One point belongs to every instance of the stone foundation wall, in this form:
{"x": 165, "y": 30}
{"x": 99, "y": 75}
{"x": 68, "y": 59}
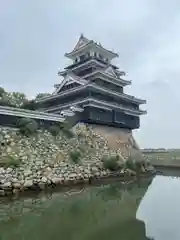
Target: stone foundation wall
{"x": 119, "y": 140}
{"x": 45, "y": 160}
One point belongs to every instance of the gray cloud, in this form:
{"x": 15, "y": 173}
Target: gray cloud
{"x": 34, "y": 35}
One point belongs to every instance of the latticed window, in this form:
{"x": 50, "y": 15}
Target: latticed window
{"x": 82, "y": 57}
{"x": 101, "y": 115}
{"x": 100, "y": 57}
{"x": 120, "y": 117}
{"x": 108, "y": 85}
{"x": 69, "y": 86}
{"x": 85, "y": 72}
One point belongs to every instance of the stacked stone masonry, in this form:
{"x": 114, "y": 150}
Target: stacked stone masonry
{"x": 44, "y": 159}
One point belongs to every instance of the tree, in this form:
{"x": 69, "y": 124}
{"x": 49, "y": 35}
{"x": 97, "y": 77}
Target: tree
{"x": 14, "y": 99}
{"x": 30, "y": 105}
{"x": 2, "y": 92}
{"x": 5, "y": 100}
{"x": 17, "y": 98}
{"x": 41, "y": 95}
{"x": 27, "y": 126}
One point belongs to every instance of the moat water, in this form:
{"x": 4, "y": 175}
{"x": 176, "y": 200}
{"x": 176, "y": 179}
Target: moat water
{"x": 102, "y": 212}
{"x": 159, "y": 208}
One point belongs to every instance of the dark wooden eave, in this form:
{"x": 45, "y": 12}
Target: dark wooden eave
{"x": 86, "y": 60}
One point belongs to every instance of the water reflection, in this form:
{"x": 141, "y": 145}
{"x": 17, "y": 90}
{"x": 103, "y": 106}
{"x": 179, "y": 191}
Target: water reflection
{"x": 106, "y": 212}
{"x": 160, "y": 210}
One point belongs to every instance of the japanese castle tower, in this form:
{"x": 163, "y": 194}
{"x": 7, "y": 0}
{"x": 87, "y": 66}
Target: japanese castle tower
{"x": 95, "y": 85}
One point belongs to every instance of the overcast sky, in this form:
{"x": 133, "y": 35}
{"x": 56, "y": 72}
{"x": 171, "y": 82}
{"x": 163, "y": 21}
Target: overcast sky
{"x": 35, "y": 34}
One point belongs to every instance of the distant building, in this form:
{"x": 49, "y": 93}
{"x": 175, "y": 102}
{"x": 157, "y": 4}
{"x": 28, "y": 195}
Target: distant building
{"x": 93, "y": 83}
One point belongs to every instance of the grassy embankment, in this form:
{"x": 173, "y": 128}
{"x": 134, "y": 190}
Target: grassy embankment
{"x": 169, "y": 158}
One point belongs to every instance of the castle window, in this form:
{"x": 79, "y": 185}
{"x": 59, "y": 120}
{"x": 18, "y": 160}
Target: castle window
{"x": 82, "y": 57}
{"x": 100, "y": 57}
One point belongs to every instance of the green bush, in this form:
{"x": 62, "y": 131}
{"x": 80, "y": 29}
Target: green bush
{"x": 42, "y": 95}
{"x": 9, "y": 161}
{"x": 54, "y": 130}
{"x": 63, "y": 127}
{"x": 68, "y": 133}
{"x": 75, "y": 156}
{"x": 134, "y": 163}
{"x": 147, "y": 163}
{"x": 27, "y": 126}
{"x": 111, "y": 163}
{"x": 2, "y": 91}
{"x": 130, "y": 164}
{"x": 66, "y": 129}
{"x": 5, "y": 102}
{"x": 81, "y": 135}
{"x": 29, "y": 105}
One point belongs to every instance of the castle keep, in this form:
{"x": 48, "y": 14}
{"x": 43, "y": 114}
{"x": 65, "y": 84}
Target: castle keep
{"x": 94, "y": 84}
